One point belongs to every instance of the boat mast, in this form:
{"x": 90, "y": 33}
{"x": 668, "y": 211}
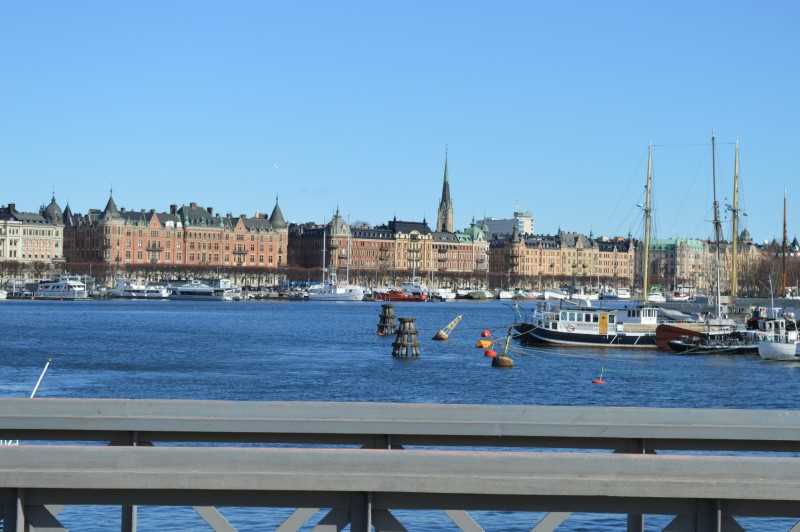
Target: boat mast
{"x": 735, "y": 224}
{"x": 648, "y": 211}
{"x": 783, "y": 249}
{"x": 324, "y": 238}
{"x": 349, "y": 250}
{"x": 717, "y": 223}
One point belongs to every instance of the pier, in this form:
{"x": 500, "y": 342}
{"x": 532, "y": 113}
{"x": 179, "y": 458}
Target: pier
{"x": 362, "y": 461}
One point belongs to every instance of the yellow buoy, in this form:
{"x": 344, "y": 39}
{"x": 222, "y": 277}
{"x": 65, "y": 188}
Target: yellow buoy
{"x": 483, "y": 343}
{"x": 444, "y": 334}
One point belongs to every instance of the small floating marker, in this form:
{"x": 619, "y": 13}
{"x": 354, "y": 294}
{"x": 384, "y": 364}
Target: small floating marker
{"x": 599, "y": 379}
{"x": 486, "y": 333}
{"x": 484, "y": 343}
{"x": 491, "y": 353}
{"x": 444, "y": 334}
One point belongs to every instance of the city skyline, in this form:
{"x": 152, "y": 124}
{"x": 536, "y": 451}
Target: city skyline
{"x": 547, "y": 107}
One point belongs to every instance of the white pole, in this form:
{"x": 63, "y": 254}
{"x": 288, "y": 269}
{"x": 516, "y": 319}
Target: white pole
{"x": 39, "y": 382}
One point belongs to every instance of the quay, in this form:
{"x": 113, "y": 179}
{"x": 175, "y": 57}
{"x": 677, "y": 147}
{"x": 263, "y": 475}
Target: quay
{"x": 361, "y": 461}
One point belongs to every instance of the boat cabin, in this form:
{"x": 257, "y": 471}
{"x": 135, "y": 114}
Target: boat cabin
{"x": 589, "y": 320}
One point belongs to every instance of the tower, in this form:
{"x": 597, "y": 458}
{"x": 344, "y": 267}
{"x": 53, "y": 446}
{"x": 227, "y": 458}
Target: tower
{"x": 444, "y": 219}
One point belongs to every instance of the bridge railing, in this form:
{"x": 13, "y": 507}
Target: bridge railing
{"x": 382, "y": 470}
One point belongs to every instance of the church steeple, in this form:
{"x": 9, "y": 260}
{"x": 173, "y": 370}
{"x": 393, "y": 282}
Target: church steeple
{"x": 444, "y": 219}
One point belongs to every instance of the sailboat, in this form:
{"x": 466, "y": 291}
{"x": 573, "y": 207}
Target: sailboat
{"x": 719, "y": 336}
{"x": 330, "y": 289}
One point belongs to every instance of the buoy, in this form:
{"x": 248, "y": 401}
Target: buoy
{"x": 491, "y": 353}
{"x": 486, "y": 333}
{"x": 483, "y": 343}
{"x": 599, "y": 379}
{"x": 444, "y": 334}
{"x": 502, "y": 361}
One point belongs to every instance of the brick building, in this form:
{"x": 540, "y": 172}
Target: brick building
{"x": 397, "y": 248}
{"x": 185, "y": 236}
{"x": 567, "y": 257}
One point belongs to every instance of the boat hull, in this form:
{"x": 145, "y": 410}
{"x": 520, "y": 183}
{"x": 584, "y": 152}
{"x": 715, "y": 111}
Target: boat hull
{"x": 538, "y": 336}
{"x": 778, "y": 351}
{"x": 689, "y": 348}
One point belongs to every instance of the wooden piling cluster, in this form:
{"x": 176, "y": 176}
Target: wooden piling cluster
{"x": 406, "y": 344}
{"x": 387, "y": 324}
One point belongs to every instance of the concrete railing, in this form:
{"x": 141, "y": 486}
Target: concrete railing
{"x": 362, "y": 485}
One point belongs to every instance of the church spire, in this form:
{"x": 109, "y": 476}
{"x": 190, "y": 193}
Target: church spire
{"x": 444, "y": 219}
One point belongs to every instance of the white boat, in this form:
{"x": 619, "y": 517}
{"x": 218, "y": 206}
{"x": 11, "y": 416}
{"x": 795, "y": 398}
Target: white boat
{"x": 65, "y": 287}
{"x": 330, "y": 291}
{"x": 480, "y": 294}
{"x": 130, "y": 290}
{"x": 3, "y": 294}
{"x": 223, "y": 290}
{"x": 779, "y": 338}
{"x": 555, "y": 294}
{"x": 442, "y": 294}
{"x": 656, "y": 297}
{"x": 505, "y": 294}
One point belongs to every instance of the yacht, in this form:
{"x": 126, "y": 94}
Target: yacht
{"x": 505, "y": 294}
{"x": 222, "y": 290}
{"x": 442, "y": 294}
{"x": 331, "y": 291}
{"x": 565, "y": 325}
{"x": 64, "y": 287}
{"x": 615, "y": 293}
{"x": 131, "y": 290}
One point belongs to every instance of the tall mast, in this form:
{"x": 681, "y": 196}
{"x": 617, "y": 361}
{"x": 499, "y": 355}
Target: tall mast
{"x": 735, "y": 224}
{"x": 324, "y": 238}
{"x": 349, "y": 248}
{"x": 717, "y": 223}
{"x": 648, "y": 212}
{"x": 783, "y": 249}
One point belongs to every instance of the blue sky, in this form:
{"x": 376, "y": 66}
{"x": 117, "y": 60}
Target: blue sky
{"x": 549, "y": 106}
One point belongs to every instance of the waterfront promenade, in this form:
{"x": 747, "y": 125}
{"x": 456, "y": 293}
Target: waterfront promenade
{"x": 389, "y": 457}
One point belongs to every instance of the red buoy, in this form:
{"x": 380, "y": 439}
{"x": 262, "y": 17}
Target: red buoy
{"x": 486, "y": 333}
{"x": 491, "y": 353}
{"x": 599, "y": 379}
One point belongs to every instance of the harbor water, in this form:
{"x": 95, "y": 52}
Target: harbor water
{"x": 329, "y": 351}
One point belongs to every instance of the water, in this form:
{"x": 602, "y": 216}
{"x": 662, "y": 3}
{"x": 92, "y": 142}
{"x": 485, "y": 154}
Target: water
{"x": 329, "y": 351}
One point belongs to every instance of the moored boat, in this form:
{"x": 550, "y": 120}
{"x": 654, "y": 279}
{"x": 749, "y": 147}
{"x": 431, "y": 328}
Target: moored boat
{"x": 632, "y": 327}
{"x": 222, "y": 290}
{"x": 65, "y": 287}
{"x": 125, "y": 289}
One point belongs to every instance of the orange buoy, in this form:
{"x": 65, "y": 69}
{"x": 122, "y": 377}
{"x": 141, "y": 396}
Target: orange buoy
{"x": 486, "y": 333}
{"x": 483, "y": 343}
{"x": 599, "y": 379}
{"x": 491, "y": 353}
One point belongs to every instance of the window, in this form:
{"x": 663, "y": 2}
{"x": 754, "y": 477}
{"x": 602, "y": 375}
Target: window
{"x": 571, "y": 316}
{"x": 612, "y": 318}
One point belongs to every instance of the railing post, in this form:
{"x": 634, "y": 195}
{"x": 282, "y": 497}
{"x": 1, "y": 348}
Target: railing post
{"x": 128, "y": 518}
{"x": 13, "y": 511}
{"x": 636, "y": 521}
{"x": 361, "y": 512}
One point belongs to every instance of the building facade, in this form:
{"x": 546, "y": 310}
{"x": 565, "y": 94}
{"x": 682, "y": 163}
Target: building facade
{"x": 185, "y": 236}
{"x": 29, "y": 237}
{"x": 397, "y": 248}
{"x": 565, "y": 258}
{"x": 690, "y": 264}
